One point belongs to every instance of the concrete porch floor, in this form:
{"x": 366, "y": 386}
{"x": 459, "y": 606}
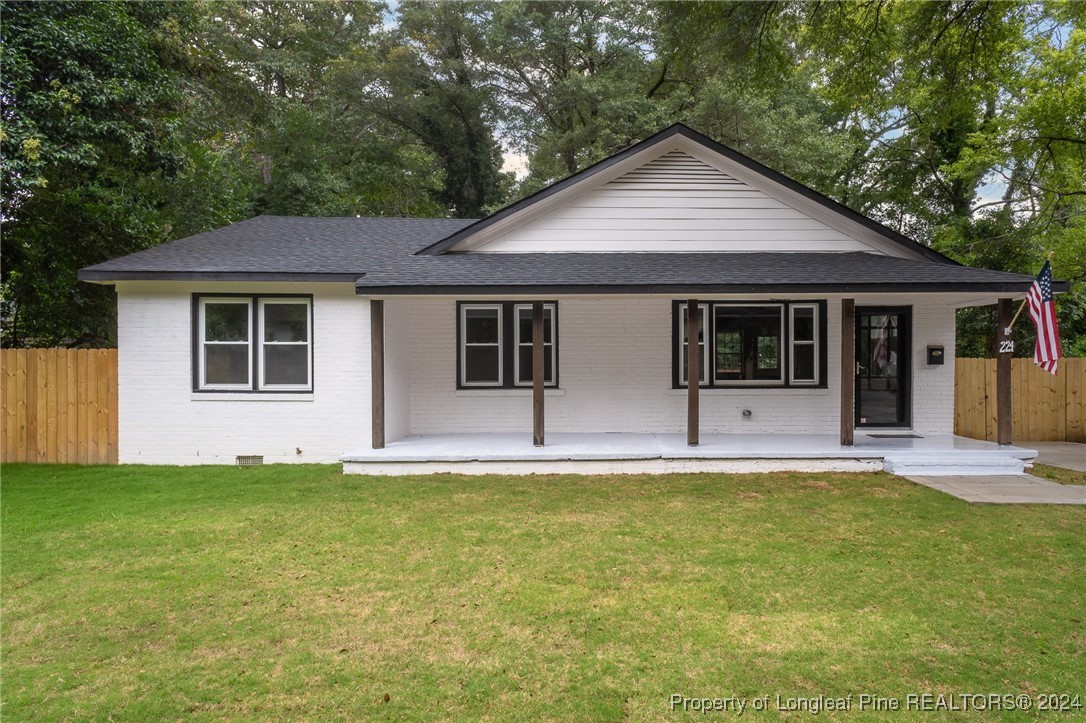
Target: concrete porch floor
{"x": 1069, "y": 455}
{"x": 513, "y": 453}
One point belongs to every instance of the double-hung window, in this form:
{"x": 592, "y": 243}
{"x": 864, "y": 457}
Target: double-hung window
{"x": 804, "y": 361}
{"x": 703, "y": 358}
{"x": 481, "y": 345}
{"x": 754, "y": 344}
{"x": 225, "y": 338}
{"x": 494, "y": 341}
{"x": 253, "y": 343}
{"x": 523, "y": 362}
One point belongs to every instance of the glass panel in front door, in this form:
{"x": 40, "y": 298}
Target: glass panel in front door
{"x": 880, "y": 391}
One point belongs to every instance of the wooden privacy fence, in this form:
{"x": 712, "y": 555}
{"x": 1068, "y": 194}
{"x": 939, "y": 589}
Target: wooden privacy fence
{"x": 1043, "y": 407}
{"x": 59, "y": 405}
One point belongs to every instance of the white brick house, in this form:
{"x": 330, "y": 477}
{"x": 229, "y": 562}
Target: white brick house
{"x": 407, "y": 344}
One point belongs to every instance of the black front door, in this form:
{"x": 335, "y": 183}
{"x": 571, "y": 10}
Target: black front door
{"x": 883, "y": 351}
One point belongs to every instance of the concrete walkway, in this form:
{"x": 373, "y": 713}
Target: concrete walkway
{"x": 1068, "y": 455}
{"x": 1006, "y": 489}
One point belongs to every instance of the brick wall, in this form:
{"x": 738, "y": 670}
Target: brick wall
{"x": 615, "y": 369}
{"x": 933, "y": 386}
{"x": 398, "y": 351}
{"x": 163, "y": 421}
{"x": 615, "y": 375}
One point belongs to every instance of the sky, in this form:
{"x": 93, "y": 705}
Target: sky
{"x": 515, "y": 163}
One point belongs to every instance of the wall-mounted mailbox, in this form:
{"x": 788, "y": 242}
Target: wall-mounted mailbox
{"x": 935, "y": 355}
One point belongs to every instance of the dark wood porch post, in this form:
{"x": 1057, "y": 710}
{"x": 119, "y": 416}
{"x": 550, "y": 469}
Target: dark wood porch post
{"x": 537, "y": 373}
{"x": 377, "y": 371}
{"x": 848, "y": 372}
{"x": 1005, "y": 350}
{"x": 693, "y": 373}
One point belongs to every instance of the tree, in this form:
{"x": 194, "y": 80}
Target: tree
{"x": 734, "y": 71}
{"x": 576, "y": 81}
{"x": 430, "y": 84}
{"x": 967, "y": 120}
{"x": 87, "y": 146}
{"x": 581, "y": 81}
{"x": 960, "y": 123}
{"x": 282, "y": 81}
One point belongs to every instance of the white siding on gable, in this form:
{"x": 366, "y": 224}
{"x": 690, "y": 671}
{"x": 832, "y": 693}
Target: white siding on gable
{"x": 674, "y": 202}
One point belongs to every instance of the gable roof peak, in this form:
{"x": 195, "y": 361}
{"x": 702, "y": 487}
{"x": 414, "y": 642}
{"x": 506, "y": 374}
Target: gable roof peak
{"x": 740, "y": 162}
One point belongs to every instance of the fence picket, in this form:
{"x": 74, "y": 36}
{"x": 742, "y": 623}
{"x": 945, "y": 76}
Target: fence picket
{"x": 1074, "y": 373}
{"x": 1043, "y": 407}
{"x": 59, "y": 405}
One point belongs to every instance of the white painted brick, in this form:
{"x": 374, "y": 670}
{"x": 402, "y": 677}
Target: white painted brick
{"x": 397, "y": 370}
{"x": 615, "y": 374}
{"x": 161, "y": 422}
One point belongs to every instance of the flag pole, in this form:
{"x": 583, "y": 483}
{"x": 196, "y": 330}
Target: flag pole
{"x": 1016, "y": 315}
{"x": 1051, "y": 254}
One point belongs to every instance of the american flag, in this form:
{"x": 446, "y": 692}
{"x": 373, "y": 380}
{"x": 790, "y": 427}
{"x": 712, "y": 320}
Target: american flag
{"x": 1043, "y": 312}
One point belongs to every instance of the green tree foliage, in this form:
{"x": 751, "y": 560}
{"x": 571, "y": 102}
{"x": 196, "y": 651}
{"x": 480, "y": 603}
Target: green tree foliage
{"x": 282, "y": 80}
{"x": 960, "y": 123}
{"x": 734, "y": 72}
{"x": 576, "y": 80}
{"x": 88, "y": 117}
{"x": 430, "y": 84}
{"x": 128, "y": 124}
{"x": 957, "y": 123}
{"x": 968, "y": 122}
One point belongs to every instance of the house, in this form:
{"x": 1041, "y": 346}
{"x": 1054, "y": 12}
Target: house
{"x": 554, "y": 334}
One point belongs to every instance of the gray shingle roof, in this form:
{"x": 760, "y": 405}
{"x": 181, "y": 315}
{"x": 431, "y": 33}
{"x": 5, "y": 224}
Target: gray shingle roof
{"x": 328, "y": 249}
{"x": 379, "y": 254}
{"x": 677, "y": 273}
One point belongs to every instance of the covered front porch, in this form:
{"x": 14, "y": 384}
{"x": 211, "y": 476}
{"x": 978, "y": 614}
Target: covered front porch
{"x": 621, "y": 404}
{"x": 649, "y": 453}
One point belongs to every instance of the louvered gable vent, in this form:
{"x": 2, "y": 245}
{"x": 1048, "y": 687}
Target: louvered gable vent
{"x": 677, "y": 170}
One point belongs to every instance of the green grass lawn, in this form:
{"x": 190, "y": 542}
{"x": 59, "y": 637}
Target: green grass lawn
{"x": 1059, "y": 474}
{"x": 144, "y": 593}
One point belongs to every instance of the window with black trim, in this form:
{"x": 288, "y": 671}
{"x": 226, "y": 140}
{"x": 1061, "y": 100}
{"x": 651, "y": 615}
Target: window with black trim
{"x": 245, "y": 343}
{"x": 494, "y": 344}
{"x": 703, "y": 359}
{"x": 481, "y": 345}
{"x": 754, "y": 344}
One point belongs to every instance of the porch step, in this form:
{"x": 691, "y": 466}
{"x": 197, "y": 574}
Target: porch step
{"x": 957, "y": 464}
